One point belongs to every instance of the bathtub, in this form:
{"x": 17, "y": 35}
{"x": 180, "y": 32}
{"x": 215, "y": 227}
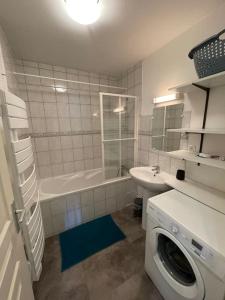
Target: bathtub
{"x": 71, "y": 199}
{"x": 61, "y": 185}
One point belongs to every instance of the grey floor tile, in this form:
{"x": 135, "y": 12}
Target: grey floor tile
{"x": 114, "y": 273}
{"x": 138, "y": 287}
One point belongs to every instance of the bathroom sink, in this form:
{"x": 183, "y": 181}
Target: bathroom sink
{"x": 149, "y": 179}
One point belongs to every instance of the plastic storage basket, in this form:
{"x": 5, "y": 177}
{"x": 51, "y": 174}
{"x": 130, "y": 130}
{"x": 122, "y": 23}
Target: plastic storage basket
{"x": 209, "y": 56}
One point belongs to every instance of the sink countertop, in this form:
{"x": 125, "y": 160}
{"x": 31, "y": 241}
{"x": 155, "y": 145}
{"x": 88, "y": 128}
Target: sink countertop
{"x": 202, "y": 193}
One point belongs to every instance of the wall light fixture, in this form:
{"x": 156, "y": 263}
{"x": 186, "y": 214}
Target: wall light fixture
{"x": 171, "y": 97}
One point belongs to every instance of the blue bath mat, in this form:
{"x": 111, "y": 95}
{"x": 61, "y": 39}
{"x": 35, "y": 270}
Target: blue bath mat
{"x": 85, "y": 240}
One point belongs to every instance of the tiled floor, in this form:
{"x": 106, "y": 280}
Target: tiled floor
{"x": 114, "y": 273}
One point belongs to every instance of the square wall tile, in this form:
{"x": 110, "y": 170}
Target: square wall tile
{"x": 76, "y": 124}
{"x": 38, "y": 125}
{"x": 87, "y": 140}
{"x": 66, "y": 142}
{"x": 43, "y": 158}
{"x": 50, "y": 110}
{"x": 58, "y": 206}
{"x": 111, "y": 205}
{"x": 99, "y": 194}
{"x": 77, "y": 141}
{"x": 87, "y": 213}
{"x": 52, "y": 125}
{"x": 164, "y": 163}
{"x": 67, "y": 155}
{"x": 87, "y": 198}
{"x": 41, "y": 144}
{"x": 73, "y": 201}
{"x": 79, "y": 165}
{"x": 36, "y": 109}
{"x": 45, "y": 171}
{"x": 57, "y": 169}
{"x": 100, "y": 208}
{"x": 75, "y": 110}
{"x": 54, "y": 143}
{"x": 59, "y": 223}
{"x": 56, "y": 156}
{"x": 68, "y": 167}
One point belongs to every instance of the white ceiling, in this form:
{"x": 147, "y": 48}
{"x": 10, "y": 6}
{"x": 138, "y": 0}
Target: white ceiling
{"x": 127, "y": 31}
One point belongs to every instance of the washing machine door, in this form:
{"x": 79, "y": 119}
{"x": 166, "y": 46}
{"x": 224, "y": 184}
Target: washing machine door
{"x": 176, "y": 265}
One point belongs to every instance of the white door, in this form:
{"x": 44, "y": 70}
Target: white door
{"x": 15, "y": 279}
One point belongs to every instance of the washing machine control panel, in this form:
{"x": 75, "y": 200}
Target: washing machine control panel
{"x": 192, "y": 243}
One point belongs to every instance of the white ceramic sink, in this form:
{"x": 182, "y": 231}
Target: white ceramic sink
{"x": 148, "y": 178}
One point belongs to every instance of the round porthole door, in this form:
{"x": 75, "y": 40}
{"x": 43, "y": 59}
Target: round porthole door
{"x": 176, "y": 265}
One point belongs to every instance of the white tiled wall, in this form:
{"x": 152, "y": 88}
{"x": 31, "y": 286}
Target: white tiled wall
{"x": 132, "y": 80}
{"x": 64, "y": 117}
{"x": 65, "y": 212}
{"x": 62, "y": 154}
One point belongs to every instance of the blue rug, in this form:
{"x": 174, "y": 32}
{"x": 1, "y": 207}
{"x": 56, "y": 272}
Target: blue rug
{"x": 85, "y": 240}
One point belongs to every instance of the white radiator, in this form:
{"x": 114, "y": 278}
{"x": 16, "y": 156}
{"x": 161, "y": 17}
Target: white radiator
{"x": 24, "y": 180}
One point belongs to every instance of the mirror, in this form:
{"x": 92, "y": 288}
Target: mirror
{"x": 167, "y": 117}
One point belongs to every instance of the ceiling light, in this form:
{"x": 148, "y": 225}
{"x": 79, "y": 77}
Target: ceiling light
{"x": 83, "y": 11}
{"x": 171, "y": 97}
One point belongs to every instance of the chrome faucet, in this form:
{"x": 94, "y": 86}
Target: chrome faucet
{"x": 156, "y": 169}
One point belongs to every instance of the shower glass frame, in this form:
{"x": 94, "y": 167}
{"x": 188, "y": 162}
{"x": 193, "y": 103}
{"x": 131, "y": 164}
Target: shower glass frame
{"x": 120, "y": 139}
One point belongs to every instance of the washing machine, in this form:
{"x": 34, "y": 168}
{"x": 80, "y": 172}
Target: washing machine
{"x": 185, "y": 248}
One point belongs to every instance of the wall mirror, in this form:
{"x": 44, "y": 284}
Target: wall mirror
{"x": 166, "y": 117}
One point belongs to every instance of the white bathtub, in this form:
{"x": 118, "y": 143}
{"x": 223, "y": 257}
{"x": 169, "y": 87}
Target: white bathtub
{"x": 53, "y": 187}
{"x": 72, "y": 199}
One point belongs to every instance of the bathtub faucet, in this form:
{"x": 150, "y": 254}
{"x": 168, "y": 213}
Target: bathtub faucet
{"x": 122, "y": 168}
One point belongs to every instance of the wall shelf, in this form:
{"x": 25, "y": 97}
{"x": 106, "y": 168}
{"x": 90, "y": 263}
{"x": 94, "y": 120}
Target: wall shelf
{"x": 185, "y": 155}
{"x": 198, "y": 130}
{"x": 204, "y": 84}
{"x": 215, "y": 80}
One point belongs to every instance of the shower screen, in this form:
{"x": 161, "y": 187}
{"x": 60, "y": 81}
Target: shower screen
{"x": 118, "y": 133}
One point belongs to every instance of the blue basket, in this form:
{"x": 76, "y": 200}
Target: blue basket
{"x": 209, "y": 56}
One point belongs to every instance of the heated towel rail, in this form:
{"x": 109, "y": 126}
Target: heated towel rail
{"x": 22, "y": 167}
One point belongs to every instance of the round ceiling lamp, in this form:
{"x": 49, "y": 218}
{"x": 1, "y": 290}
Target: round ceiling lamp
{"x": 84, "y": 12}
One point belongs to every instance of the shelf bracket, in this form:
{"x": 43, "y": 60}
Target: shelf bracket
{"x": 207, "y": 91}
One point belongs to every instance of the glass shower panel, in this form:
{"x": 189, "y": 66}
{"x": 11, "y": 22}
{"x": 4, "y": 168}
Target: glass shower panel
{"x": 111, "y": 107}
{"x": 127, "y": 157}
{"x": 112, "y": 159}
{"x": 119, "y": 132}
{"x": 127, "y": 117}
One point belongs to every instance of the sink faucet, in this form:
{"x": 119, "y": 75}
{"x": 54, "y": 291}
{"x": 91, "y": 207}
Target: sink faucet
{"x": 156, "y": 169}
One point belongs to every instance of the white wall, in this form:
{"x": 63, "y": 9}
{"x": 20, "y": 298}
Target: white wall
{"x": 3, "y": 84}
{"x": 7, "y": 65}
{"x": 170, "y": 65}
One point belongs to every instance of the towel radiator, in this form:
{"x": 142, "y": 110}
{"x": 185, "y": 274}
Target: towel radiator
{"x": 22, "y": 167}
